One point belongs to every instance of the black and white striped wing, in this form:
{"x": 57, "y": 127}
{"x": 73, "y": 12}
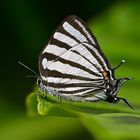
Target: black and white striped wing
{"x": 72, "y": 63}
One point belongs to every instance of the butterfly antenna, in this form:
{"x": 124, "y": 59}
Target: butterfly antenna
{"x": 123, "y": 61}
{"x": 31, "y": 76}
{"x": 28, "y": 68}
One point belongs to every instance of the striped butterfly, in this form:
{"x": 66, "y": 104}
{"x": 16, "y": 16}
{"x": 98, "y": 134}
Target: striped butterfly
{"x": 73, "y": 67}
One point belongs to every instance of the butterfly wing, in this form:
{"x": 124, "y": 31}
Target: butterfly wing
{"x": 72, "y": 62}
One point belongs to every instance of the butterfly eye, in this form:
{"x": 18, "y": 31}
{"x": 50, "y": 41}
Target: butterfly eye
{"x": 38, "y": 82}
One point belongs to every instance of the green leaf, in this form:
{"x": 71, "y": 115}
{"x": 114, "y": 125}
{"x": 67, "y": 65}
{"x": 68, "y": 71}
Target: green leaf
{"x": 31, "y": 104}
{"x": 43, "y": 105}
{"x": 113, "y": 126}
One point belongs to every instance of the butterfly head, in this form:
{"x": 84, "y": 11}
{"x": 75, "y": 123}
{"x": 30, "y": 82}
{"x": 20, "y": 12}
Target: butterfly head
{"x": 113, "y": 89}
{"x": 113, "y": 84}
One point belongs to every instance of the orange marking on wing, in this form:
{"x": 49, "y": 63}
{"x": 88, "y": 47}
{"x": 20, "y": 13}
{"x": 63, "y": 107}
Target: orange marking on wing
{"x": 105, "y": 74}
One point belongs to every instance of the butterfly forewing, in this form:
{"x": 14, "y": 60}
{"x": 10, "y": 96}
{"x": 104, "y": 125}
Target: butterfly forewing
{"x": 72, "y": 62}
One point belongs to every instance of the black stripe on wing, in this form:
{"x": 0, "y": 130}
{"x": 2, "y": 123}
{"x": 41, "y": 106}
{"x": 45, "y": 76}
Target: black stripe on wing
{"x": 74, "y": 91}
{"x": 85, "y": 92}
{"x": 54, "y": 73}
{"x": 92, "y": 93}
{"x": 66, "y": 85}
{"x": 59, "y": 44}
{"x": 51, "y": 57}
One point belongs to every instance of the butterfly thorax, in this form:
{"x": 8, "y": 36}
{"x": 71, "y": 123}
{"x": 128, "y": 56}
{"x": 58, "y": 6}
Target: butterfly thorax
{"x": 112, "y": 89}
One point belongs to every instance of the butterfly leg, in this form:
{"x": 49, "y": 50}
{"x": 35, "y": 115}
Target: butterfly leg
{"x": 124, "y": 100}
{"x": 40, "y": 96}
{"x": 122, "y": 81}
{"x": 59, "y": 99}
{"x": 41, "y": 93}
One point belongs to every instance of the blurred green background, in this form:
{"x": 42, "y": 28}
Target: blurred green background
{"x": 26, "y": 26}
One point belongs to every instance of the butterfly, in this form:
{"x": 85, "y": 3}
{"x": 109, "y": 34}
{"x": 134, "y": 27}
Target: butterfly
{"x": 72, "y": 66}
